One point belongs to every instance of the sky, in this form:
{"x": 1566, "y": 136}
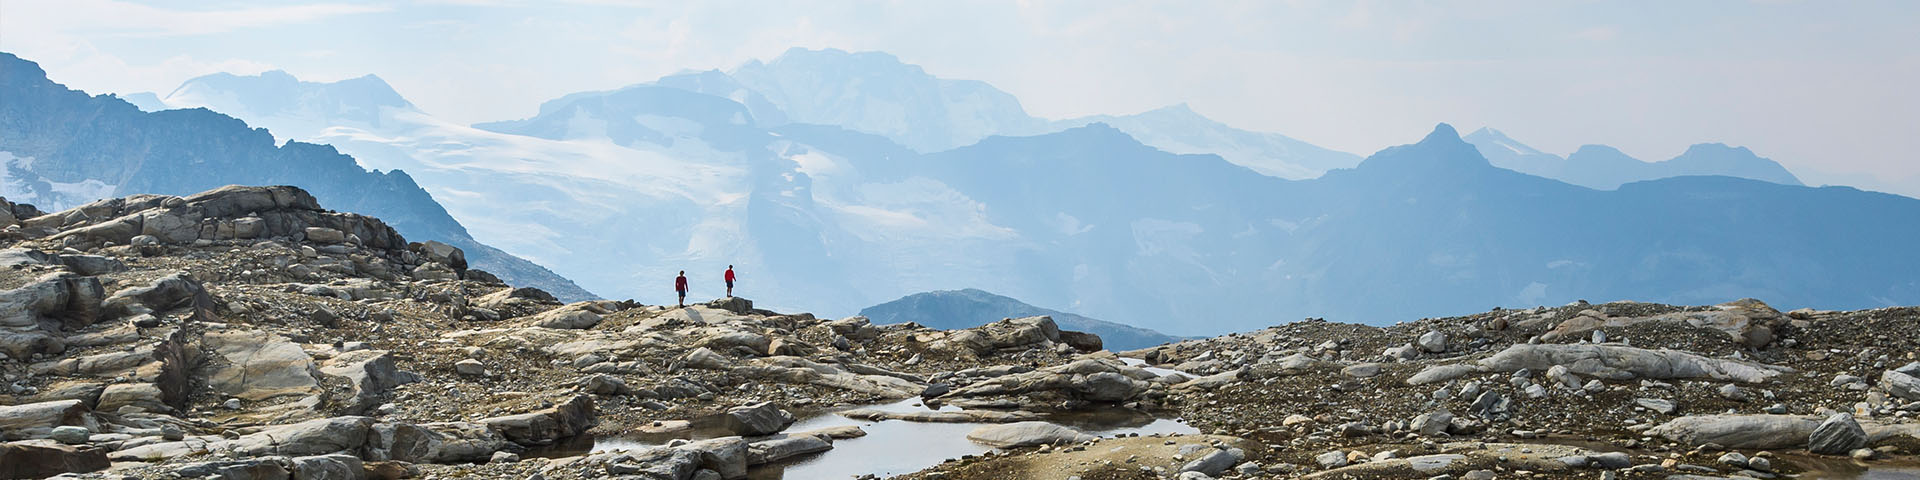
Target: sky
{"x": 1825, "y": 88}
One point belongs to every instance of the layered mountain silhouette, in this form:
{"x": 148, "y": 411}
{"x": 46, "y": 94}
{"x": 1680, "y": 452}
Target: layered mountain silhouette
{"x": 63, "y": 148}
{"x": 968, "y": 308}
{"x": 621, "y": 189}
{"x": 1606, "y": 168}
{"x": 874, "y": 92}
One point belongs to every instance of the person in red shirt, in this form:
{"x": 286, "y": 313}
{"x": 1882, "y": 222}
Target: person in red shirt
{"x": 680, "y": 285}
{"x": 729, "y": 281}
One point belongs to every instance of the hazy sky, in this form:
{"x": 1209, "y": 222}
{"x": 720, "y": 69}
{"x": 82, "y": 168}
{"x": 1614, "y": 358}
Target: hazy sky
{"x": 1827, "y": 88}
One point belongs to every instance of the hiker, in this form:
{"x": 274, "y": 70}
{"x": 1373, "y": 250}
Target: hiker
{"x": 680, "y": 285}
{"x": 729, "y": 281}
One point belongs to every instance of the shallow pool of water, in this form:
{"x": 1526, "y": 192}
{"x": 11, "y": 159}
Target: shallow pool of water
{"x": 890, "y": 447}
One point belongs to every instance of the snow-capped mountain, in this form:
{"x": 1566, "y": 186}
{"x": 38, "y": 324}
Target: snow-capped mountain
{"x": 1179, "y": 129}
{"x": 62, "y": 148}
{"x": 1606, "y": 168}
{"x": 876, "y": 93}
{"x": 622, "y": 189}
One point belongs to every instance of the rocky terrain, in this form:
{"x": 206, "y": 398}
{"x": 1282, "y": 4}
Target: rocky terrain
{"x": 248, "y": 333}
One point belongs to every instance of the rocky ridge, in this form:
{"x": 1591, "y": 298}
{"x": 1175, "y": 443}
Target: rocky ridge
{"x": 247, "y": 332}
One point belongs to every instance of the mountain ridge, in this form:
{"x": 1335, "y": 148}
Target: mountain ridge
{"x": 972, "y": 307}
{"x": 77, "y": 139}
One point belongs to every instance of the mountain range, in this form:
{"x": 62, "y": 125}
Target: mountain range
{"x": 621, "y": 189}
{"x": 968, "y": 308}
{"x": 1602, "y": 167}
{"x": 62, "y": 148}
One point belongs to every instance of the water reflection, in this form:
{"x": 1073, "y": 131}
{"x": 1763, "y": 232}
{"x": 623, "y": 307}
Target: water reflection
{"x": 889, "y": 448}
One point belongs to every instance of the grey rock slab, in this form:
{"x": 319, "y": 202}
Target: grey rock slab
{"x": 1615, "y": 362}
{"x": 1022, "y": 434}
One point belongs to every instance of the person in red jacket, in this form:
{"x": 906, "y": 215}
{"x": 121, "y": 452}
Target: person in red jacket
{"x": 729, "y": 281}
{"x": 680, "y": 285}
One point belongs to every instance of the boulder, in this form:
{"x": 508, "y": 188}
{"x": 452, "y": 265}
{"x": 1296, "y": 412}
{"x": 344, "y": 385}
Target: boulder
{"x": 737, "y": 305}
{"x": 1838, "y": 435}
{"x": 758, "y": 419}
{"x": 726, "y": 456}
{"x": 1433, "y": 341}
{"x": 328, "y": 467}
{"x": 1441, "y": 373}
{"x": 724, "y": 341}
{"x": 69, "y": 434}
{"x": 1766, "y": 432}
{"x": 706, "y": 358}
{"x": 782, "y": 447}
{"x": 1615, "y": 362}
{"x": 1213, "y": 463}
{"x": 1023, "y": 434}
{"x": 371, "y": 373}
{"x": 325, "y": 235}
{"x": 41, "y": 418}
{"x": 1082, "y": 341}
{"x": 580, "y": 315}
{"x": 43, "y": 458}
{"x": 441, "y": 253}
{"x": 543, "y": 427}
{"x": 259, "y": 366}
{"x": 1899, "y": 384}
{"x": 263, "y": 468}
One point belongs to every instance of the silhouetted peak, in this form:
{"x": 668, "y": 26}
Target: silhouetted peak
{"x": 1442, "y": 134}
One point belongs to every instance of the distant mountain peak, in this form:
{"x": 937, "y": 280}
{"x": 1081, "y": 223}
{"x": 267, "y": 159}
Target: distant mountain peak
{"x": 1443, "y": 133}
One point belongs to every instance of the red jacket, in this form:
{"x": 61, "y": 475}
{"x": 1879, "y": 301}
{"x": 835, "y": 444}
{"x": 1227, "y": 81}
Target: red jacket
{"x": 680, "y": 283}
{"x": 729, "y": 275}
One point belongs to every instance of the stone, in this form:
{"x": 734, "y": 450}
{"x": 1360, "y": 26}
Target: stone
{"x": 758, "y": 419}
{"x": 1618, "y": 362}
{"x": 43, "y": 416}
{"x": 604, "y": 385}
{"x": 370, "y": 373}
{"x": 1837, "y": 436}
{"x": 45, "y": 458}
{"x": 260, "y": 366}
{"x": 1433, "y": 423}
{"x": 470, "y": 367}
{"x": 1441, "y": 373}
{"x": 1760, "y": 464}
{"x": 70, "y": 435}
{"x": 1361, "y": 370}
{"x": 1900, "y": 384}
{"x": 1733, "y": 459}
{"x": 581, "y": 315}
{"x": 1333, "y": 459}
{"x": 1082, "y": 341}
{"x": 1212, "y": 464}
{"x": 1733, "y": 392}
{"x": 325, "y": 235}
{"x": 1760, "y": 432}
{"x": 783, "y": 447}
{"x": 726, "y": 456}
{"x": 1610, "y": 460}
{"x": 503, "y": 457}
{"x": 706, "y": 358}
{"x": 329, "y": 467}
{"x": 1433, "y": 341}
{"x": 544, "y": 427}
{"x": 1663, "y": 407}
{"x": 1023, "y": 434}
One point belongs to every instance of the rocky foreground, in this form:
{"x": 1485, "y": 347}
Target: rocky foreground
{"x": 247, "y": 333}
